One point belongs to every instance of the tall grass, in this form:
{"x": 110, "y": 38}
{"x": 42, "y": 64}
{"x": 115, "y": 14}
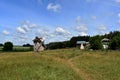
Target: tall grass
{"x": 99, "y": 66}
{"x": 60, "y": 64}
{"x": 29, "y": 66}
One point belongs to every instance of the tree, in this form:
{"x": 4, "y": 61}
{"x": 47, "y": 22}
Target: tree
{"x": 1, "y": 44}
{"x": 115, "y": 43}
{"x": 95, "y": 42}
{"x": 27, "y": 45}
{"x": 73, "y": 40}
{"x": 8, "y": 46}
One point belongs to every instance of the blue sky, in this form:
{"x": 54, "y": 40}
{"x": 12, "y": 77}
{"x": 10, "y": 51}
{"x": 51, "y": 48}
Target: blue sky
{"x": 56, "y": 20}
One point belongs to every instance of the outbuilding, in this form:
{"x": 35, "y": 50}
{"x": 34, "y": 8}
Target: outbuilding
{"x": 105, "y": 43}
{"x": 81, "y": 44}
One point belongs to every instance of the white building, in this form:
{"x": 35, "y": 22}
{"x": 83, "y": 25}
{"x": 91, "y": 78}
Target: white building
{"x": 105, "y": 43}
{"x": 81, "y": 44}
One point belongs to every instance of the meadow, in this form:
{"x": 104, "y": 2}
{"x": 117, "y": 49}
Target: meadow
{"x": 60, "y": 64}
{"x": 18, "y": 48}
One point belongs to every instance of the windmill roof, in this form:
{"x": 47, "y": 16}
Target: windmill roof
{"x": 37, "y": 39}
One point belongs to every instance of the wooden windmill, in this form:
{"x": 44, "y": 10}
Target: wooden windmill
{"x": 38, "y": 44}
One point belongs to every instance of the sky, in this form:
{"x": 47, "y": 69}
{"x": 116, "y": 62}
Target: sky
{"x": 56, "y": 20}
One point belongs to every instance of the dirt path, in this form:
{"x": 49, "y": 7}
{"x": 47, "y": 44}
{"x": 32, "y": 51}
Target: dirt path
{"x": 79, "y": 71}
{"x": 69, "y": 62}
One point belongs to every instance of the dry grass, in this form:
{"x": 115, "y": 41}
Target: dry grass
{"x": 60, "y": 64}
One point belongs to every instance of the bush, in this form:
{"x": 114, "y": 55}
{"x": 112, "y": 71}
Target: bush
{"x": 1, "y": 44}
{"x": 8, "y": 46}
{"x": 95, "y": 42}
{"x": 115, "y": 43}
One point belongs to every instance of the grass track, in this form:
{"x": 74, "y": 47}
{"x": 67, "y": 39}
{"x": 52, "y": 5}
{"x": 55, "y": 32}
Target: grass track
{"x": 63, "y": 64}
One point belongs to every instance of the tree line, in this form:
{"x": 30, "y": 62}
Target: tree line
{"x": 95, "y": 41}
{"x": 8, "y": 46}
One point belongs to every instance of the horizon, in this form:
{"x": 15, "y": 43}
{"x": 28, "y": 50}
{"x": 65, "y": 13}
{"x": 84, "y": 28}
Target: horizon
{"x": 56, "y": 20}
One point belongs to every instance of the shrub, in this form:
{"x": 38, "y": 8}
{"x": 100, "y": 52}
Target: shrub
{"x": 8, "y": 46}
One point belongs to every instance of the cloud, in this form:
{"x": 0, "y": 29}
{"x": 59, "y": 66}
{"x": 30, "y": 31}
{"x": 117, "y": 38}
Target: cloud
{"x": 61, "y": 31}
{"x": 82, "y": 28}
{"x": 59, "y": 34}
{"x": 117, "y": 1}
{"x": 54, "y": 7}
{"x": 83, "y": 34}
{"x": 118, "y": 15}
{"x": 33, "y": 26}
{"x": 102, "y": 27}
{"x": 45, "y": 33}
{"x": 93, "y": 17}
{"x": 21, "y": 30}
{"x": 78, "y": 19}
{"x": 26, "y": 26}
{"x": 119, "y": 21}
{"x": 5, "y": 32}
{"x": 118, "y": 29}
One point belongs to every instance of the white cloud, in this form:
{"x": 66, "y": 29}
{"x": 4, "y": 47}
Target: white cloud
{"x": 117, "y": 1}
{"x": 83, "y": 34}
{"x": 93, "y": 17}
{"x": 26, "y": 27}
{"x": 33, "y": 26}
{"x": 61, "y": 31}
{"x": 54, "y": 7}
{"x": 21, "y": 30}
{"x": 102, "y": 27}
{"x": 119, "y": 21}
{"x": 44, "y": 33}
{"x": 81, "y": 28}
{"x": 5, "y": 32}
{"x": 23, "y": 37}
{"x": 78, "y": 19}
{"x": 119, "y": 15}
{"x": 118, "y": 29}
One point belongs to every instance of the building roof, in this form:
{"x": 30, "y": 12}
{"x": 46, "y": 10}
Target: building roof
{"x": 81, "y": 42}
{"x": 105, "y": 39}
{"x": 37, "y": 39}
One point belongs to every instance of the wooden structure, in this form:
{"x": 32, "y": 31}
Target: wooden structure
{"x": 38, "y": 44}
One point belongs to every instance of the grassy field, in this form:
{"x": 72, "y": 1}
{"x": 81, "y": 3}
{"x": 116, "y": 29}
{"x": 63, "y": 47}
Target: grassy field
{"x": 18, "y": 48}
{"x": 61, "y": 64}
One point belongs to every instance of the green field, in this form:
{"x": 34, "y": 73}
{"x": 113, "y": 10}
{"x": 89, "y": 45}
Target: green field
{"x": 18, "y": 48}
{"x": 60, "y": 64}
